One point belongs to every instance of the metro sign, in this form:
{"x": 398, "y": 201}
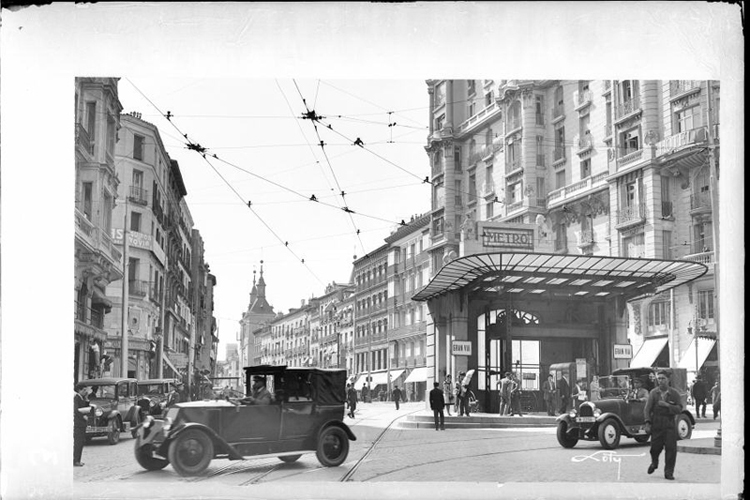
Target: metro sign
{"x": 623, "y": 351}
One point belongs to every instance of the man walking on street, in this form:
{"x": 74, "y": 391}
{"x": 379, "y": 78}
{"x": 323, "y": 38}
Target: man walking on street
{"x": 700, "y": 393}
{"x": 437, "y": 403}
{"x": 662, "y": 406}
{"x": 506, "y": 388}
{"x": 81, "y": 407}
{"x": 351, "y": 399}
{"x": 396, "y": 395}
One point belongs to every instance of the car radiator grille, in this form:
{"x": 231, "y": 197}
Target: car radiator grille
{"x": 586, "y": 410}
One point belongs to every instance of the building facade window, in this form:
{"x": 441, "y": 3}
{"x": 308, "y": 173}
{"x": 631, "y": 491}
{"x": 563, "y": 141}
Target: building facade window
{"x": 135, "y": 221}
{"x": 559, "y": 143}
{"x": 706, "y": 304}
{"x": 539, "y": 110}
{"x": 471, "y": 87}
{"x": 633, "y": 246}
{"x": 138, "y": 141}
{"x": 658, "y": 314}
{"x": 666, "y": 244}
{"x": 560, "y": 179}
{"x": 688, "y": 119}
{"x": 87, "y": 189}
{"x": 585, "y": 168}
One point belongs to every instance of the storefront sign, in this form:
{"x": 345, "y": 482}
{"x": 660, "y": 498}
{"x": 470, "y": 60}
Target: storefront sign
{"x": 623, "y": 351}
{"x": 461, "y": 348}
{"x": 508, "y": 238}
{"x": 135, "y": 239}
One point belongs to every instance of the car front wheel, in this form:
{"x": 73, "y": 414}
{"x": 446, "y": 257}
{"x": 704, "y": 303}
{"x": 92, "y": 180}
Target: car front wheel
{"x": 113, "y": 434}
{"x": 333, "y": 447}
{"x": 684, "y": 427}
{"x": 565, "y": 439}
{"x": 609, "y": 434}
{"x": 146, "y": 460}
{"x": 191, "y": 452}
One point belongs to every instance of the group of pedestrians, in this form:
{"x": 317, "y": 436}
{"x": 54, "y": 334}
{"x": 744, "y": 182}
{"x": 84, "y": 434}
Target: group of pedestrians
{"x": 701, "y": 393}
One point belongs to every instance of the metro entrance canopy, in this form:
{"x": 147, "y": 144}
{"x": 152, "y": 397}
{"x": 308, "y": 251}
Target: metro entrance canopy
{"x": 581, "y": 276}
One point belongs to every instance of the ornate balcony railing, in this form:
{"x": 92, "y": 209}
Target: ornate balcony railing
{"x": 82, "y": 138}
{"x": 559, "y": 153}
{"x": 627, "y": 107}
{"x": 702, "y": 257}
{"x": 666, "y": 209}
{"x": 632, "y": 214}
{"x": 138, "y": 195}
{"x": 629, "y": 155}
{"x": 585, "y": 142}
{"x": 678, "y": 87}
{"x": 512, "y": 166}
{"x": 700, "y": 201}
{"x": 484, "y": 113}
{"x": 585, "y": 237}
{"x": 583, "y": 98}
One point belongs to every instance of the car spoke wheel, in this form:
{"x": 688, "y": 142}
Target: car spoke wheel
{"x": 684, "y": 427}
{"x": 565, "y": 439}
{"x": 609, "y": 434}
{"x": 333, "y": 447}
{"x": 289, "y": 458}
{"x": 191, "y": 452}
{"x": 146, "y": 460}
{"x": 113, "y": 435}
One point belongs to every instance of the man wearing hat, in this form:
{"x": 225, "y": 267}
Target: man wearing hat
{"x": 81, "y": 407}
{"x": 259, "y": 395}
{"x": 174, "y": 395}
{"x": 639, "y": 390}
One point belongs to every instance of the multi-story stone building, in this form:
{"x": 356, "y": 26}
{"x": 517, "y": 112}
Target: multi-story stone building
{"x": 97, "y": 261}
{"x": 371, "y": 318}
{"x": 325, "y": 326}
{"x": 344, "y": 317}
{"x": 408, "y": 271}
{"x": 617, "y": 169}
{"x": 204, "y": 340}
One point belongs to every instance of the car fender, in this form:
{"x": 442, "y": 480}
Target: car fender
{"x": 219, "y": 442}
{"x": 604, "y": 416}
{"x": 131, "y": 413}
{"x": 342, "y": 425}
{"x": 563, "y": 418}
{"x": 689, "y": 416}
{"x": 115, "y": 414}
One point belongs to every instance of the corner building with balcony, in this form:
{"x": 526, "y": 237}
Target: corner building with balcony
{"x": 558, "y": 207}
{"x": 97, "y": 262}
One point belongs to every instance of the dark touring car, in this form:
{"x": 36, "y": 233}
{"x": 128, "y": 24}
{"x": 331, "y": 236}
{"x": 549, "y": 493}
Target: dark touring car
{"x": 618, "y": 413}
{"x": 305, "y": 414}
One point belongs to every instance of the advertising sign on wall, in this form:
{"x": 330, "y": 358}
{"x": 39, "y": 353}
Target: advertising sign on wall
{"x": 623, "y": 351}
{"x": 461, "y": 348}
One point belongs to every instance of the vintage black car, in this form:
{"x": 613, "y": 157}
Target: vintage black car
{"x": 152, "y": 395}
{"x": 617, "y": 413}
{"x": 114, "y": 410}
{"x": 305, "y": 414}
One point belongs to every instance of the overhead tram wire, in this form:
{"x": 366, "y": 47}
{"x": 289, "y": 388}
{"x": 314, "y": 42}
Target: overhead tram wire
{"x": 202, "y": 151}
{"x": 346, "y": 208}
{"x": 197, "y": 147}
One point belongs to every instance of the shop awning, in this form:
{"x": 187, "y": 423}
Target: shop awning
{"x": 582, "y": 276}
{"x": 378, "y": 378}
{"x": 98, "y": 297}
{"x": 649, "y": 351}
{"x": 169, "y": 363}
{"x": 417, "y": 375}
{"x": 704, "y": 349}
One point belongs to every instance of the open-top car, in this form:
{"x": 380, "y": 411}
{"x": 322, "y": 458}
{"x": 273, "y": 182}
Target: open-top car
{"x": 302, "y": 411}
{"x": 619, "y": 412}
{"x": 152, "y": 395}
{"x": 114, "y": 410}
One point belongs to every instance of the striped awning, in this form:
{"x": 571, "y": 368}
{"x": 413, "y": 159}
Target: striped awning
{"x": 649, "y": 351}
{"x": 582, "y": 276}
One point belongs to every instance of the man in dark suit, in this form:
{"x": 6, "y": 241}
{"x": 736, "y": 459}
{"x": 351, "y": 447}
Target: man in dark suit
{"x": 662, "y": 406}
{"x": 437, "y": 403}
{"x": 81, "y": 407}
{"x": 563, "y": 389}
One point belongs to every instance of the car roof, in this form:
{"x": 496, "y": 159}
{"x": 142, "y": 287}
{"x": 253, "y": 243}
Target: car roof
{"x": 105, "y": 381}
{"x": 156, "y": 381}
{"x": 266, "y": 369}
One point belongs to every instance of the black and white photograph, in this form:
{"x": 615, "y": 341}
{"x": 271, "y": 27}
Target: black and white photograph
{"x": 357, "y": 250}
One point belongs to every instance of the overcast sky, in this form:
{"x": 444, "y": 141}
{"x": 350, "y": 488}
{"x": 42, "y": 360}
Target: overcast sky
{"x": 266, "y": 153}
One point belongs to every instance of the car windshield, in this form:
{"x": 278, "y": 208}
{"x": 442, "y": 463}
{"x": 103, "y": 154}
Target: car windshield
{"x": 149, "y": 389}
{"x": 614, "y": 386}
{"x": 103, "y": 392}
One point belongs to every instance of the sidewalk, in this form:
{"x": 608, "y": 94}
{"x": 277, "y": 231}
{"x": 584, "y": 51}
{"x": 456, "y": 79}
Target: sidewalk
{"x": 702, "y": 441}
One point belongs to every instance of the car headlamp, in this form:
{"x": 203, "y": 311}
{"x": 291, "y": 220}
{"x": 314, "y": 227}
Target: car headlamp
{"x": 597, "y": 412}
{"x": 148, "y": 421}
{"x": 167, "y": 424}
{"x": 572, "y": 413}
{"x": 98, "y": 412}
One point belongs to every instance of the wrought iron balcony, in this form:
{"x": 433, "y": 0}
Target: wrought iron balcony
{"x": 138, "y": 195}
{"x": 627, "y": 107}
{"x": 585, "y": 143}
{"x": 138, "y": 288}
{"x": 479, "y": 117}
{"x": 585, "y": 238}
{"x": 582, "y": 98}
{"x": 631, "y": 215}
{"x": 700, "y": 201}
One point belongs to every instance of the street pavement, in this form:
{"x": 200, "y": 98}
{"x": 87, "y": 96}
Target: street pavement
{"x": 407, "y": 462}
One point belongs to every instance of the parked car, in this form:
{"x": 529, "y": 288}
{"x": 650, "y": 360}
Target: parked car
{"x": 152, "y": 395}
{"x": 618, "y": 413}
{"x": 305, "y": 414}
{"x": 114, "y": 405}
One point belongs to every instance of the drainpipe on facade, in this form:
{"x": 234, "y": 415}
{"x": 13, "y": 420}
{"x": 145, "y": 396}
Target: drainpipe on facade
{"x": 124, "y": 319}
